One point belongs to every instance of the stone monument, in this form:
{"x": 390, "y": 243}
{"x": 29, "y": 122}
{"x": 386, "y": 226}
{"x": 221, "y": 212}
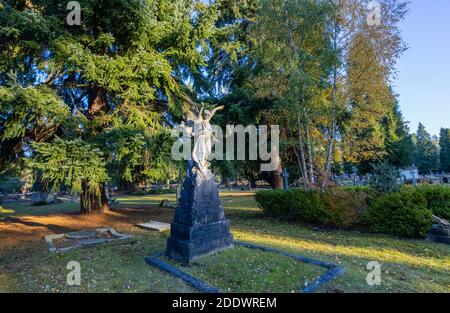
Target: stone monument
{"x": 199, "y": 227}
{"x": 285, "y": 176}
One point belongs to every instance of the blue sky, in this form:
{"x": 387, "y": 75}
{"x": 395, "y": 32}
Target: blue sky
{"x": 423, "y": 80}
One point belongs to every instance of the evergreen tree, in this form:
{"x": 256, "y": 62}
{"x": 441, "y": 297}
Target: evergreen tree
{"x": 118, "y": 73}
{"x": 444, "y": 154}
{"x": 73, "y": 164}
{"x": 427, "y": 155}
{"x": 399, "y": 143}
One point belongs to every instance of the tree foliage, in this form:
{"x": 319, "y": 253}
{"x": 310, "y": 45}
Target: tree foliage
{"x": 111, "y": 84}
{"x": 70, "y": 163}
{"x": 426, "y": 154}
{"x": 444, "y": 152}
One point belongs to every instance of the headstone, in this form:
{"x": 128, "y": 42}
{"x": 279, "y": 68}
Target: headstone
{"x": 199, "y": 227}
{"x": 166, "y": 204}
{"x": 43, "y": 198}
{"x": 285, "y": 176}
{"x": 440, "y": 231}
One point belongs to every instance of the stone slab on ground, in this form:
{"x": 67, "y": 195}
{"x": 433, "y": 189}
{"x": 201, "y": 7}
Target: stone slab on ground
{"x": 154, "y": 225}
{"x": 440, "y": 231}
{"x": 438, "y": 239}
{"x": 82, "y": 238}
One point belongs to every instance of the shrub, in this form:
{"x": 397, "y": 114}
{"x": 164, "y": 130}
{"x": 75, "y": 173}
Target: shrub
{"x": 438, "y": 199}
{"x": 403, "y": 213}
{"x": 292, "y": 204}
{"x": 10, "y": 184}
{"x": 345, "y": 207}
{"x": 333, "y": 207}
{"x": 384, "y": 178}
{"x": 357, "y": 188}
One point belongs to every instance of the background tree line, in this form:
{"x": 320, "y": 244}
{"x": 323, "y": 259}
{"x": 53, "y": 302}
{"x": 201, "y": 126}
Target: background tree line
{"x": 86, "y": 106}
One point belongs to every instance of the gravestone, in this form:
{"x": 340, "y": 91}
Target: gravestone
{"x": 285, "y": 176}
{"x": 199, "y": 227}
{"x": 440, "y": 231}
{"x": 43, "y": 198}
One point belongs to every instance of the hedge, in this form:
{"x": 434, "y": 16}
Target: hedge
{"x": 403, "y": 213}
{"x": 336, "y": 207}
{"x": 406, "y": 212}
{"x": 437, "y": 197}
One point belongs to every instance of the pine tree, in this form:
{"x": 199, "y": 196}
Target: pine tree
{"x": 73, "y": 164}
{"x": 119, "y": 72}
{"x": 426, "y": 156}
{"x": 399, "y": 143}
{"x": 444, "y": 154}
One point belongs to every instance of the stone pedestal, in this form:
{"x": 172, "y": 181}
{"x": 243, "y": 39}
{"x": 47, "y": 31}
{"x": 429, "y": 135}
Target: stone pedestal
{"x": 199, "y": 227}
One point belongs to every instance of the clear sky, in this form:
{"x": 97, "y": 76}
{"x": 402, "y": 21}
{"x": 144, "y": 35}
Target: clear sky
{"x": 423, "y": 80}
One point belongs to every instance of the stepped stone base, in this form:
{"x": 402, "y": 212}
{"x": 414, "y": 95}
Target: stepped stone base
{"x": 199, "y": 227}
{"x": 189, "y": 243}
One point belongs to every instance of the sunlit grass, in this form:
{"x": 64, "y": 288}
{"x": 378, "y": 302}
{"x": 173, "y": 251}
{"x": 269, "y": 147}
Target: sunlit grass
{"x": 6, "y": 211}
{"x": 375, "y": 253}
{"x": 407, "y": 265}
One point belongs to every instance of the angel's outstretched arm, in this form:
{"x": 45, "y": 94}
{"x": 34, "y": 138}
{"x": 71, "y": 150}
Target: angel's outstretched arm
{"x": 201, "y": 111}
{"x": 193, "y": 105}
{"x": 213, "y": 111}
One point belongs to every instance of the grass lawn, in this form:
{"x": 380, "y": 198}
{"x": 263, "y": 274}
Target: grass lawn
{"x": 25, "y": 264}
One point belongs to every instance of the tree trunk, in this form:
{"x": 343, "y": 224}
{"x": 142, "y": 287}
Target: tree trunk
{"x": 276, "y": 182}
{"x": 330, "y": 149}
{"x": 303, "y": 169}
{"x": 252, "y": 181}
{"x": 97, "y": 102}
{"x": 310, "y": 153}
{"x": 91, "y": 202}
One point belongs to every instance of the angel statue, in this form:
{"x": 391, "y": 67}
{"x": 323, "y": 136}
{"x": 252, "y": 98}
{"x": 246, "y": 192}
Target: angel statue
{"x": 200, "y": 127}
{"x": 199, "y": 226}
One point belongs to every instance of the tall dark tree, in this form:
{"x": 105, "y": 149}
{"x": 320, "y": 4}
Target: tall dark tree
{"x": 444, "y": 153}
{"x": 427, "y": 155}
{"x": 110, "y": 83}
{"x": 399, "y": 143}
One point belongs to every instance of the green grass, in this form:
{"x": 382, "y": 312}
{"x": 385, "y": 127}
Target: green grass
{"x": 247, "y": 270}
{"x": 15, "y": 209}
{"x": 407, "y": 265}
{"x": 104, "y": 268}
